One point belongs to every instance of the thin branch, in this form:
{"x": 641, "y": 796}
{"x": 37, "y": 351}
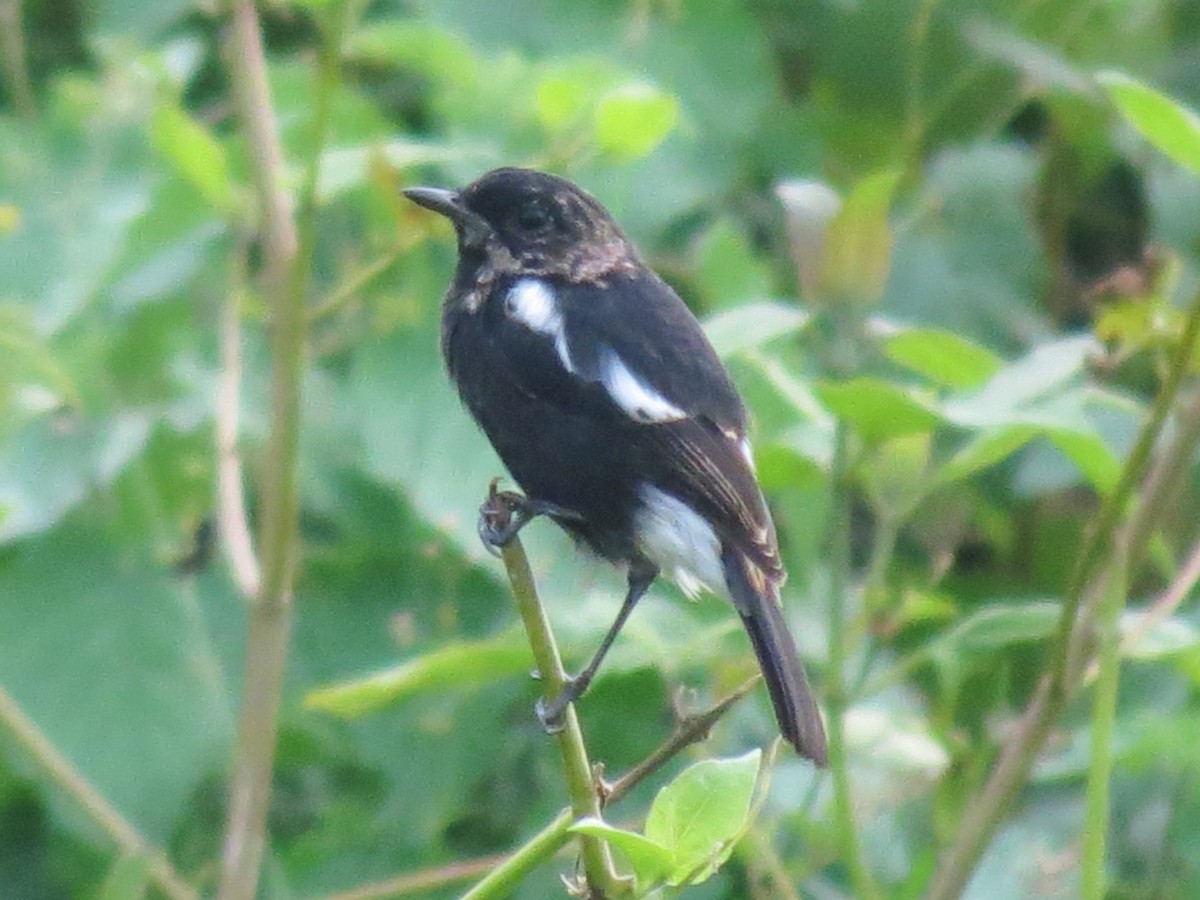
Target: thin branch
{"x": 1115, "y": 505}
{"x": 503, "y": 879}
{"x": 1104, "y": 714}
{"x": 231, "y": 502}
{"x": 127, "y": 838}
{"x": 549, "y": 840}
{"x": 12, "y": 49}
{"x": 271, "y": 610}
{"x": 598, "y": 866}
{"x": 691, "y": 729}
{"x": 350, "y": 288}
{"x": 842, "y": 360}
{"x": 1177, "y": 591}
{"x": 421, "y": 882}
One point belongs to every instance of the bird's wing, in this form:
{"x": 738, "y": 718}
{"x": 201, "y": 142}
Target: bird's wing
{"x": 630, "y": 351}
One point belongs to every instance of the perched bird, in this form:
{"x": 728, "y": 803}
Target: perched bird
{"x": 601, "y": 394}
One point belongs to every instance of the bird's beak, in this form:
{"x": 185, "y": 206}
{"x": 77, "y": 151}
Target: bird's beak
{"x": 473, "y": 230}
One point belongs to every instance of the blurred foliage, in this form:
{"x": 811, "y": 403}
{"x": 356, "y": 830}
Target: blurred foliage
{"x": 1040, "y": 252}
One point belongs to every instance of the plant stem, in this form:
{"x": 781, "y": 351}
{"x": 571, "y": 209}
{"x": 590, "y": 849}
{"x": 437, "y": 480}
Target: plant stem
{"x": 12, "y": 52}
{"x": 285, "y": 264}
{"x": 836, "y": 697}
{"x": 1095, "y": 830}
{"x": 550, "y": 839}
{"x": 127, "y": 838}
{"x": 234, "y": 527}
{"x": 581, "y": 785}
{"x": 421, "y": 882}
{"x": 1064, "y": 666}
{"x": 1114, "y": 507}
{"x": 503, "y": 879}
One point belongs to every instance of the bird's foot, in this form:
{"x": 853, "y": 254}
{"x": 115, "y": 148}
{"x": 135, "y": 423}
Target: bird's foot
{"x": 552, "y": 713}
{"x": 504, "y": 513}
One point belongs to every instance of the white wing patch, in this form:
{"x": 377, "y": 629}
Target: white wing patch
{"x": 636, "y": 398}
{"x": 747, "y": 451}
{"x": 532, "y": 303}
{"x": 676, "y": 538}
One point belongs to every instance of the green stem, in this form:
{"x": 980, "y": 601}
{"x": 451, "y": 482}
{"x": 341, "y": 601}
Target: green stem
{"x": 581, "y": 784}
{"x": 122, "y": 833}
{"x": 1100, "y": 540}
{"x": 836, "y": 697}
{"x": 1012, "y": 768}
{"x": 1095, "y": 831}
{"x": 287, "y": 254}
{"x": 505, "y": 878}
{"x": 547, "y": 842}
{"x": 12, "y": 53}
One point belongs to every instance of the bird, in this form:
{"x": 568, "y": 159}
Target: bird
{"x": 604, "y": 399}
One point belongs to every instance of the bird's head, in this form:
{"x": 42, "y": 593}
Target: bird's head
{"x": 531, "y": 223}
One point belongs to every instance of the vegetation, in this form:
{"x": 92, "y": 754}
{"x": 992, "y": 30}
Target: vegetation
{"x": 950, "y": 252}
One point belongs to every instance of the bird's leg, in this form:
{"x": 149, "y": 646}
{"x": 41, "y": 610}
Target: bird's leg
{"x": 641, "y": 575}
{"x": 505, "y": 513}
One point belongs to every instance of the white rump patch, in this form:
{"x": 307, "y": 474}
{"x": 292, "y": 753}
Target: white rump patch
{"x": 532, "y": 303}
{"x": 638, "y": 400}
{"x": 676, "y": 538}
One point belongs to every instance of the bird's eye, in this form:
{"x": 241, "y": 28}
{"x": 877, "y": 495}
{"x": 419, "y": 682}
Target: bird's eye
{"x": 534, "y": 218}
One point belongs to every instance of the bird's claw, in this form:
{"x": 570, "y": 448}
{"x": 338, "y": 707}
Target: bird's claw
{"x": 502, "y": 515}
{"x": 552, "y": 713}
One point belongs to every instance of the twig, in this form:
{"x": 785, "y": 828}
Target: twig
{"x": 127, "y": 838}
{"x": 271, "y": 608}
{"x": 689, "y": 730}
{"x": 420, "y": 882}
{"x": 1104, "y": 714}
{"x": 550, "y": 839}
{"x": 842, "y": 359}
{"x": 348, "y": 289}
{"x": 598, "y": 866}
{"x": 1177, "y": 591}
{"x": 12, "y": 49}
{"x": 231, "y": 501}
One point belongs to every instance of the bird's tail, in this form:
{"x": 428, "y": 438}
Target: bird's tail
{"x": 756, "y": 597}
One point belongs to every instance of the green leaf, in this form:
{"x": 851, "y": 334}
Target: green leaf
{"x": 895, "y": 477}
{"x": 729, "y": 271}
{"x": 455, "y": 666}
{"x": 700, "y": 815}
{"x": 1167, "y": 124}
{"x": 195, "y": 154}
{"x": 986, "y": 450}
{"x": 1166, "y": 638}
{"x": 346, "y": 168}
{"x": 1090, "y": 454}
{"x": 877, "y": 409}
{"x": 560, "y": 98}
{"x": 894, "y": 741}
{"x": 651, "y": 861}
{"x": 943, "y": 357}
{"x": 632, "y": 120}
{"x": 438, "y": 53}
{"x": 858, "y": 242}
{"x": 55, "y": 459}
{"x": 1001, "y": 625}
{"x": 28, "y": 358}
{"x": 141, "y": 673}
{"x": 752, "y": 325}
{"x": 1011, "y": 394}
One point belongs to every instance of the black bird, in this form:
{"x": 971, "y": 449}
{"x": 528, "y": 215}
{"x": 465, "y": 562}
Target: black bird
{"x": 611, "y": 410}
